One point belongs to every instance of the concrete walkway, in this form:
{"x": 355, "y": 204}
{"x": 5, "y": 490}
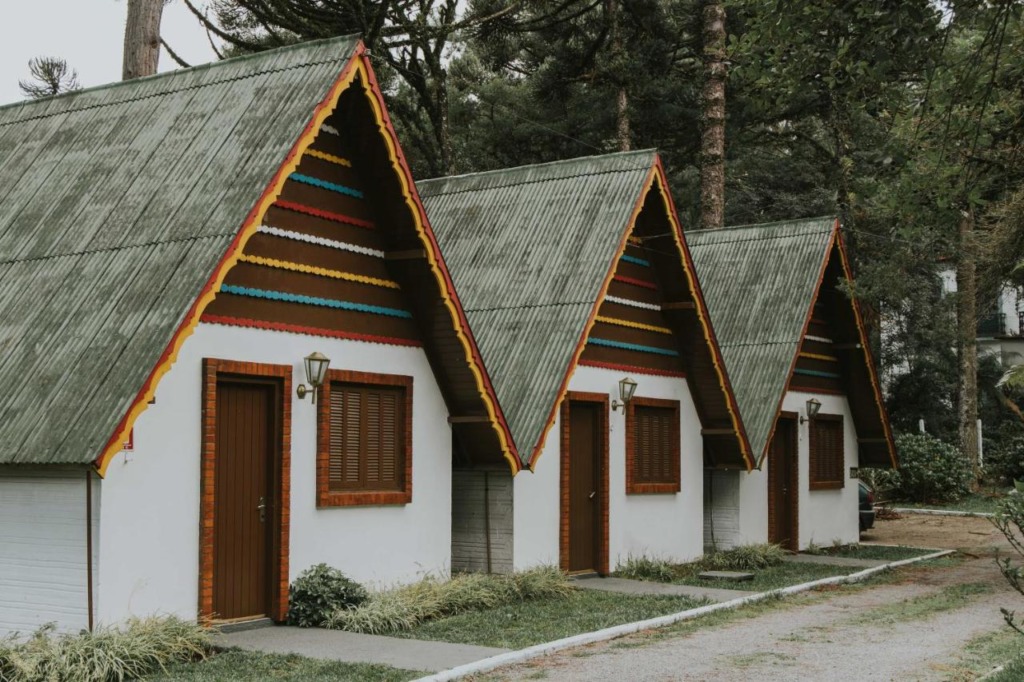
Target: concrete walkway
{"x": 335, "y": 645}
{"x": 623, "y": 586}
{"x": 852, "y": 562}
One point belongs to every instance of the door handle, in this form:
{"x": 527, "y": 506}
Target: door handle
{"x": 262, "y": 507}
{"x": 591, "y": 496}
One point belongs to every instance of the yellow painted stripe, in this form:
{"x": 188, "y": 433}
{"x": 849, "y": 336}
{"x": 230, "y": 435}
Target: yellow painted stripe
{"x": 636, "y": 241}
{"x": 322, "y": 272}
{"x": 634, "y": 325}
{"x": 818, "y": 356}
{"x": 317, "y": 154}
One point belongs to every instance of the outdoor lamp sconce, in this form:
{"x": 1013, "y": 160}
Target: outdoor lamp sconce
{"x": 627, "y": 387}
{"x": 813, "y": 407}
{"x": 316, "y": 371}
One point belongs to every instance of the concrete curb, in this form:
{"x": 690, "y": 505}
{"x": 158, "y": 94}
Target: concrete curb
{"x": 939, "y": 512}
{"x": 992, "y": 673}
{"x": 614, "y": 632}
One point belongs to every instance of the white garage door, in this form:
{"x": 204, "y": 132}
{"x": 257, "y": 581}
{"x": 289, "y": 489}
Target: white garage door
{"x": 42, "y": 549}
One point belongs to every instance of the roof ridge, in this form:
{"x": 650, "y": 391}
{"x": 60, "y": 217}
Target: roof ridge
{"x": 112, "y": 249}
{"x": 773, "y": 223}
{"x": 528, "y": 307}
{"x": 758, "y": 238}
{"x": 420, "y": 185}
{"x": 166, "y": 75}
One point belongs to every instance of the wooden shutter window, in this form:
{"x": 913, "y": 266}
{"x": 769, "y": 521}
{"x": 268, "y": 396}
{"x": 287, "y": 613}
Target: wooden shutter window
{"x": 364, "y": 452}
{"x": 652, "y": 446}
{"x": 827, "y": 456}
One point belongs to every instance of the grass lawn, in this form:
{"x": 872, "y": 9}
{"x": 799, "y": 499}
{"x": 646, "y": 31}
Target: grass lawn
{"x": 985, "y": 501}
{"x": 985, "y": 652}
{"x": 235, "y": 664}
{"x": 879, "y": 552}
{"x": 534, "y": 622}
{"x": 785, "y": 574}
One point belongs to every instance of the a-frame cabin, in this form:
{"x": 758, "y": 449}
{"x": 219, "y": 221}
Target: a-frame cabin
{"x": 794, "y": 343}
{"x": 172, "y": 252}
{"x": 575, "y": 277}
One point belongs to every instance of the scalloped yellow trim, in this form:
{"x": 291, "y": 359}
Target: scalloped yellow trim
{"x": 314, "y": 270}
{"x": 324, "y": 156}
{"x": 634, "y": 325}
{"x": 818, "y": 356}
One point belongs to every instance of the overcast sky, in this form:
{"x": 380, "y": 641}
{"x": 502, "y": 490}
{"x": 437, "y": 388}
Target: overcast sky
{"x": 89, "y": 34}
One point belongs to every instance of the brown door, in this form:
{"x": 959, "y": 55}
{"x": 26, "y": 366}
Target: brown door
{"x": 585, "y": 475}
{"x": 782, "y": 485}
{"x": 243, "y": 518}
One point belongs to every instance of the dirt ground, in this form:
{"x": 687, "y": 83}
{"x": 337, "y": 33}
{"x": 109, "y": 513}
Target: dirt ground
{"x": 942, "y": 532}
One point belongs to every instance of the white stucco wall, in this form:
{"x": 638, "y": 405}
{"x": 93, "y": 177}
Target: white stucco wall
{"x": 43, "y": 566}
{"x": 662, "y": 525}
{"x": 826, "y": 516}
{"x": 149, "y": 552}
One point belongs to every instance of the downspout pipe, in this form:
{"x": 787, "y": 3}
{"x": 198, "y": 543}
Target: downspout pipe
{"x": 88, "y": 545}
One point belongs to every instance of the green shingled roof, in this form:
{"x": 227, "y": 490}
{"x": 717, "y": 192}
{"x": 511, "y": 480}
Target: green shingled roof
{"x": 528, "y": 249}
{"x": 759, "y": 283}
{"x": 116, "y": 204}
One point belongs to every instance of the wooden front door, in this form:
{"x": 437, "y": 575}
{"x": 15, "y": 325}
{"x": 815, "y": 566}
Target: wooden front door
{"x": 783, "y": 491}
{"x": 586, "y": 461}
{"x": 244, "y": 518}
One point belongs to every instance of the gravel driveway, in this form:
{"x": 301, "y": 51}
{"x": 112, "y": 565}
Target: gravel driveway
{"x": 822, "y": 636}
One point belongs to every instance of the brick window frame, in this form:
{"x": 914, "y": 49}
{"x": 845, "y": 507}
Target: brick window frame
{"x": 832, "y": 447}
{"x": 212, "y": 369}
{"x": 633, "y": 485}
{"x": 325, "y": 497}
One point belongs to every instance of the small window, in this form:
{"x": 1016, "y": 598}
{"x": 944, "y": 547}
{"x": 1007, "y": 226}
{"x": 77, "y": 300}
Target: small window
{"x": 364, "y": 449}
{"x": 652, "y": 446}
{"x": 827, "y": 459}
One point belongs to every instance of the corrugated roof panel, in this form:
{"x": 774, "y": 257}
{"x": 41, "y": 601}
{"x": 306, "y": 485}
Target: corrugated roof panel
{"x": 115, "y": 206}
{"x": 759, "y": 283}
{"x": 528, "y": 249}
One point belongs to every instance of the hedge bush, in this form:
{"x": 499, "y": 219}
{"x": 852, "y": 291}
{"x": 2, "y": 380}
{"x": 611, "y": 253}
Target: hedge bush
{"x": 1004, "y": 462}
{"x": 931, "y": 471}
{"x": 320, "y": 591}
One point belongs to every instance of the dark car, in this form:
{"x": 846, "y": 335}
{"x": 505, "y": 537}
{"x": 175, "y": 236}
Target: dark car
{"x": 867, "y": 507}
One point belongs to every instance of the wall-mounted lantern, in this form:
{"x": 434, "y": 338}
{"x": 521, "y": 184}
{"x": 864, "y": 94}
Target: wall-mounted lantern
{"x": 627, "y": 387}
{"x": 316, "y": 371}
{"x": 813, "y": 407}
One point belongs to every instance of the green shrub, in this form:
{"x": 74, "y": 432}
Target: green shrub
{"x": 646, "y": 568}
{"x": 744, "y": 558}
{"x": 320, "y": 591}
{"x": 931, "y": 471}
{"x": 1004, "y": 461}
{"x": 141, "y": 647}
{"x": 402, "y": 608}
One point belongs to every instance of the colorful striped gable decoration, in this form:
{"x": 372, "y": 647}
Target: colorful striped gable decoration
{"x": 784, "y": 324}
{"x": 246, "y": 192}
{"x": 615, "y": 289}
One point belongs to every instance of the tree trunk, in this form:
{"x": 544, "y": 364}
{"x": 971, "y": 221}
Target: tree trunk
{"x": 712, "y": 141}
{"x": 142, "y": 38}
{"x": 444, "y": 137}
{"x": 967, "y": 326}
{"x": 623, "y": 133}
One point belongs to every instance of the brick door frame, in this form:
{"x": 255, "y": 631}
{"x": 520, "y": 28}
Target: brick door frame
{"x": 794, "y": 480}
{"x": 600, "y": 399}
{"x": 281, "y": 375}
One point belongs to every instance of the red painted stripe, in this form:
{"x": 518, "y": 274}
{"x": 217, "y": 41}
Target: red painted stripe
{"x": 312, "y": 331}
{"x": 634, "y": 368}
{"x": 635, "y": 282}
{"x": 326, "y": 215}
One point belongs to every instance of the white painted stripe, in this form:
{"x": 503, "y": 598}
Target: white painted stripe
{"x": 329, "y": 129}
{"x": 539, "y": 650}
{"x": 819, "y": 339}
{"x": 312, "y": 239}
{"x": 634, "y": 304}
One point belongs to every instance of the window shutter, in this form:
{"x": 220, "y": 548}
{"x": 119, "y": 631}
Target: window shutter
{"x": 367, "y": 438}
{"x": 655, "y": 443}
{"x": 827, "y": 457}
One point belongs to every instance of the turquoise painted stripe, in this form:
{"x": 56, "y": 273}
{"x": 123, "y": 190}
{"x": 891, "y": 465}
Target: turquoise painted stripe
{"x": 636, "y": 261}
{"x": 317, "y": 182}
{"x": 816, "y": 373}
{"x": 313, "y": 300}
{"x": 632, "y": 346}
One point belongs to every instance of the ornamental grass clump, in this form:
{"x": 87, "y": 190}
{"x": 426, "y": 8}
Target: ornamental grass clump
{"x": 403, "y": 608}
{"x": 142, "y": 647}
{"x": 744, "y": 558}
{"x": 646, "y": 568}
